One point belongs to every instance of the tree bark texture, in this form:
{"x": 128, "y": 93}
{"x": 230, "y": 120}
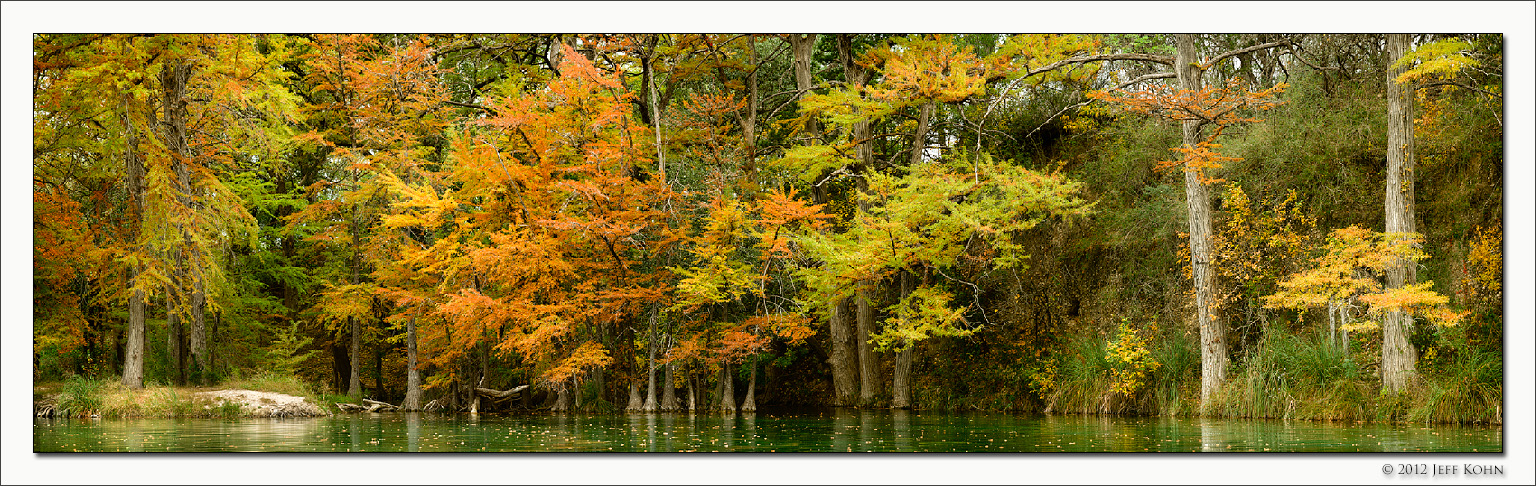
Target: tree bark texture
{"x": 727, "y": 389}
{"x": 901, "y": 380}
{"x": 920, "y": 136}
{"x": 869, "y": 376}
{"x": 635, "y": 403}
{"x": 1397, "y": 353}
{"x": 412, "y": 375}
{"x": 650, "y": 366}
{"x": 354, "y": 363}
{"x": 801, "y": 46}
{"x": 901, "y": 372}
{"x": 1213, "y": 339}
{"x": 669, "y": 389}
{"x": 133, "y": 354}
{"x": 842, "y": 359}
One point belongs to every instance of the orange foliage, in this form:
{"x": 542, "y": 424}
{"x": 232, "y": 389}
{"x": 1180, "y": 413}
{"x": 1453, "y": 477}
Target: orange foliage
{"x": 1220, "y": 106}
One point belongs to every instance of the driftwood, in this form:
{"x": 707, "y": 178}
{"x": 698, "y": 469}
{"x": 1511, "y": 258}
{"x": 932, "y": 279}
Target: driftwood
{"x": 372, "y": 406}
{"x": 502, "y": 395}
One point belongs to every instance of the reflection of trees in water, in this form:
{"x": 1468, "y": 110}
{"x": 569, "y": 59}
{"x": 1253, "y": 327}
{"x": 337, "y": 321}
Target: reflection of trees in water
{"x": 842, "y": 420}
{"x": 412, "y": 431}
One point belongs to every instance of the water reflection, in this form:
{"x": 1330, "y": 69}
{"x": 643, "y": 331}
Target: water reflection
{"x": 846, "y": 430}
{"x": 901, "y": 429}
{"x": 413, "y": 431}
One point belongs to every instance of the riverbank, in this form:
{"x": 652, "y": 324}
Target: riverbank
{"x": 108, "y": 398}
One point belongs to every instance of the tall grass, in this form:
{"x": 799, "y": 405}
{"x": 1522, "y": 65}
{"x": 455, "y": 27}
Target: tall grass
{"x": 1082, "y": 383}
{"x": 1291, "y": 377}
{"x": 1175, "y": 386}
{"x": 1468, "y": 389}
{"x": 107, "y": 397}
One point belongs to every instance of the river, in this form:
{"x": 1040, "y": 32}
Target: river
{"x": 788, "y": 431}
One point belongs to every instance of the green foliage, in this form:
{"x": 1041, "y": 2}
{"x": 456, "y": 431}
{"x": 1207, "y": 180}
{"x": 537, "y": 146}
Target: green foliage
{"x": 924, "y": 313}
{"x": 82, "y": 396}
{"x": 286, "y": 353}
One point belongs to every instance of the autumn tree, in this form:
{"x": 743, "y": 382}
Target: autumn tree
{"x": 172, "y": 100}
{"x": 1346, "y": 278}
{"x": 542, "y": 252}
{"x": 1197, "y": 107}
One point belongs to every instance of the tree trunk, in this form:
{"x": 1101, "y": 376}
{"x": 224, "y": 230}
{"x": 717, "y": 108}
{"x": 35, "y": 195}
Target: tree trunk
{"x": 901, "y": 373}
{"x": 1397, "y": 354}
{"x": 669, "y": 389}
{"x": 634, "y": 404}
{"x": 869, "y": 378}
{"x": 650, "y": 366}
{"x": 692, "y": 395}
{"x": 173, "y": 339}
{"x": 844, "y": 377}
{"x": 661, "y": 161}
{"x": 341, "y": 364}
{"x": 901, "y": 382}
{"x": 750, "y": 404}
{"x": 412, "y": 375}
{"x": 802, "y": 45}
{"x": 920, "y": 136}
{"x": 355, "y": 362}
{"x": 189, "y": 274}
{"x": 1213, "y": 339}
{"x": 749, "y": 122}
{"x": 562, "y": 398}
{"x": 1332, "y": 323}
{"x": 133, "y": 354}
{"x": 727, "y": 389}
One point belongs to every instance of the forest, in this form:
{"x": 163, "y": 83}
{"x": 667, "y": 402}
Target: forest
{"x": 1240, "y": 225}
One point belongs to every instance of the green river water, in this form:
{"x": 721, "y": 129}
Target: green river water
{"x": 800, "y": 431}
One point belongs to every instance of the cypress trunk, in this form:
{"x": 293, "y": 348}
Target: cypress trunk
{"x": 750, "y": 404}
{"x": 727, "y": 389}
{"x": 412, "y": 399}
{"x": 901, "y": 382}
{"x": 1213, "y": 336}
{"x": 1397, "y": 354}
{"x": 133, "y": 353}
{"x": 669, "y": 389}
{"x": 844, "y": 371}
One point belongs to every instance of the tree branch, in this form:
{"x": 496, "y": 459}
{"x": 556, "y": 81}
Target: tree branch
{"x": 470, "y": 105}
{"x": 1145, "y": 77}
{"x": 1245, "y": 50}
{"x": 1130, "y": 56}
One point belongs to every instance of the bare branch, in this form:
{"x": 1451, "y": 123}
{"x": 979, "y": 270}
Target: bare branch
{"x": 1245, "y": 50}
{"x": 1129, "y": 56}
{"x": 1144, "y": 77}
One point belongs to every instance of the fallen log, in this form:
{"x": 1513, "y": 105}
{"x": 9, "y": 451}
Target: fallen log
{"x": 501, "y": 394}
{"x": 375, "y": 405}
{"x": 350, "y": 407}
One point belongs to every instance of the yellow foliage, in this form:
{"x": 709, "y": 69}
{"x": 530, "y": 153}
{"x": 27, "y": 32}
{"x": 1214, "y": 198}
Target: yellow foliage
{"x": 1441, "y": 59}
{"x": 1130, "y": 360}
